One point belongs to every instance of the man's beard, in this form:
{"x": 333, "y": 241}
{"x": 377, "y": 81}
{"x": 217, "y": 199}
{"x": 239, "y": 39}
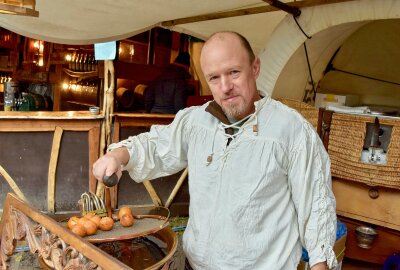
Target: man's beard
{"x": 234, "y": 111}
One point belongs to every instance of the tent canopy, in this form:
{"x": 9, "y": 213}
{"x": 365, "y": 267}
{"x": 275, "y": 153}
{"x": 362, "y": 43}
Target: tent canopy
{"x": 275, "y": 36}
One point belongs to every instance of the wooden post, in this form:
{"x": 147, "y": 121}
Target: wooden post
{"x": 152, "y": 192}
{"x": 12, "y": 183}
{"x": 51, "y": 185}
{"x": 176, "y": 188}
{"x": 93, "y": 140}
{"x": 108, "y": 108}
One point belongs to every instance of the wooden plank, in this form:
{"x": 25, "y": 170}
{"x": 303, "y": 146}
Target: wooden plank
{"x": 143, "y": 120}
{"x": 248, "y": 11}
{"x": 57, "y": 89}
{"x": 114, "y": 189}
{"x": 12, "y": 183}
{"x": 18, "y": 125}
{"x": 114, "y": 196}
{"x": 116, "y": 132}
{"x": 152, "y": 192}
{"x": 176, "y": 188}
{"x": 51, "y": 184}
{"x": 50, "y": 115}
{"x": 94, "y": 145}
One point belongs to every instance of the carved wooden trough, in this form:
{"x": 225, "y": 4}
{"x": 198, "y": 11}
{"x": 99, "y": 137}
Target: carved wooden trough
{"x": 58, "y": 248}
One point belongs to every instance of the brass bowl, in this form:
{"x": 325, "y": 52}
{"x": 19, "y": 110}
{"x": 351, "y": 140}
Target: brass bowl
{"x": 365, "y": 236}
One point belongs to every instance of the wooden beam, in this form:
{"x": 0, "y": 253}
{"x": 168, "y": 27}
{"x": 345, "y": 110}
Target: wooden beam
{"x": 51, "y": 183}
{"x": 152, "y": 192}
{"x": 94, "y": 145}
{"x": 12, "y": 183}
{"x": 42, "y": 125}
{"x": 295, "y": 11}
{"x": 176, "y": 188}
{"x": 248, "y": 11}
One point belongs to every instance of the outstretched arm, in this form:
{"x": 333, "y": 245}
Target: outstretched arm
{"x": 111, "y": 163}
{"x": 161, "y": 151}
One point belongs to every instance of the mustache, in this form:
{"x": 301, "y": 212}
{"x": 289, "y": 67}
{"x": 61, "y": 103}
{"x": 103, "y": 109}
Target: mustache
{"x": 230, "y": 95}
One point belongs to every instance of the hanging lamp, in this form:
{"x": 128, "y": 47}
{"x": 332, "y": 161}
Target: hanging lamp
{"x": 19, "y": 7}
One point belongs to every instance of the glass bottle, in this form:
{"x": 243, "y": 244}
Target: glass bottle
{"x": 9, "y": 96}
{"x": 78, "y": 62}
{"x": 84, "y": 63}
{"x": 71, "y": 64}
{"x": 89, "y": 63}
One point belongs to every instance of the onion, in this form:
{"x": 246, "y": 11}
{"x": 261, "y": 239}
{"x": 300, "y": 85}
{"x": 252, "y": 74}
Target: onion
{"x": 124, "y": 210}
{"x": 78, "y": 229}
{"x": 90, "y": 227}
{"x": 106, "y": 224}
{"x": 127, "y": 220}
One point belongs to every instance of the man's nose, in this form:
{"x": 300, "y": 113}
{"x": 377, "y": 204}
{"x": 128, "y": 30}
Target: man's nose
{"x": 226, "y": 84}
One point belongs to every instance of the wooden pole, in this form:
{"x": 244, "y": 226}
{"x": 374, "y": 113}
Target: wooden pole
{"x": 248, "y": 11}
{"x": 152, "y": 192}
{"x": 93, "y": 141}
{"x": 295, "y": 11}
{"x": 176, "y": 188}
{"x": 108, "y": 108}
{"x": 12, "y": 184}
{"x": 51, "y": 183}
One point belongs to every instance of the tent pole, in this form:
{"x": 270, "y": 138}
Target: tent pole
{"x": 247, "y": 11}
{"x": 295, "y": 11}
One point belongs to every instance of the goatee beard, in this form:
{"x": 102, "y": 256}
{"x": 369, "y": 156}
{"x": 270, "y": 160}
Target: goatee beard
{"x": 234, "y": 112}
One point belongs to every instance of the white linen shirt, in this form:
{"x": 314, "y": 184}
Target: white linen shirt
{"x": 261, "y": 197}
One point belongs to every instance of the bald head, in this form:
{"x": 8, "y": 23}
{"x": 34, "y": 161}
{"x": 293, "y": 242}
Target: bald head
{"x": 228, "y": 36}
{"x": 231, "y": 70}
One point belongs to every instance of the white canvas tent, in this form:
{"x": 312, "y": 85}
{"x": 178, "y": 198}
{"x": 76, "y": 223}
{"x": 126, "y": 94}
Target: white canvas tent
{"x": 275, "y": 36}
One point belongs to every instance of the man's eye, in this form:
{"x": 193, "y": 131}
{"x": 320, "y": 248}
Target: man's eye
{"x": 213, "y": 78}
{"x": 235, "y": 72}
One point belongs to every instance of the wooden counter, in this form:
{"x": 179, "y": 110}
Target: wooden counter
{"x": 30, "y": 146}
{"x": 50, "y": 115}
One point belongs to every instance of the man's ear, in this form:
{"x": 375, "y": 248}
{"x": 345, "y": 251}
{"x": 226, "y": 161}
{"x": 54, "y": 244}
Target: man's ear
{"x": 256, "y": 67}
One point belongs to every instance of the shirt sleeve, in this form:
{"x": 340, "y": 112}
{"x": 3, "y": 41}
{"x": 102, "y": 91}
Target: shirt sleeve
{"x": 311, "y": 186}
{"x": 161, "y": 151}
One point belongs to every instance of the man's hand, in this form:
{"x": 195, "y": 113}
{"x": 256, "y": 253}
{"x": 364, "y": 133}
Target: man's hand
{"x": 320, "y": 266}
{"x": 111, "y": 163}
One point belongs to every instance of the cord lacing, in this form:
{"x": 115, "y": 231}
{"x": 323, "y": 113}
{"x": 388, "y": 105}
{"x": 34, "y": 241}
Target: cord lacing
{"x": 237, "y": 126}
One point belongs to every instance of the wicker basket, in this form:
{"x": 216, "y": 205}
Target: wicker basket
{"x": 310, "y": 113}
{"x": 346, "y": 140}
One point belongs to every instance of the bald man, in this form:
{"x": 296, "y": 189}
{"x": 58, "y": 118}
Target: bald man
{"x": 259, "y": 176}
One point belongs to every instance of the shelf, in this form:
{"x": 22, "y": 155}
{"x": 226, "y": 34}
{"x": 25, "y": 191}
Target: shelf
{"x": 6, "y": 69}
{"x": 80, "y": 103}
{"x": 81, "y": 75}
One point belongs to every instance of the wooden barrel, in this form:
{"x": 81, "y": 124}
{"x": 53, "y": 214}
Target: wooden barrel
{"x": 125, "y": 97}
{"x": 139, "y": 93}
